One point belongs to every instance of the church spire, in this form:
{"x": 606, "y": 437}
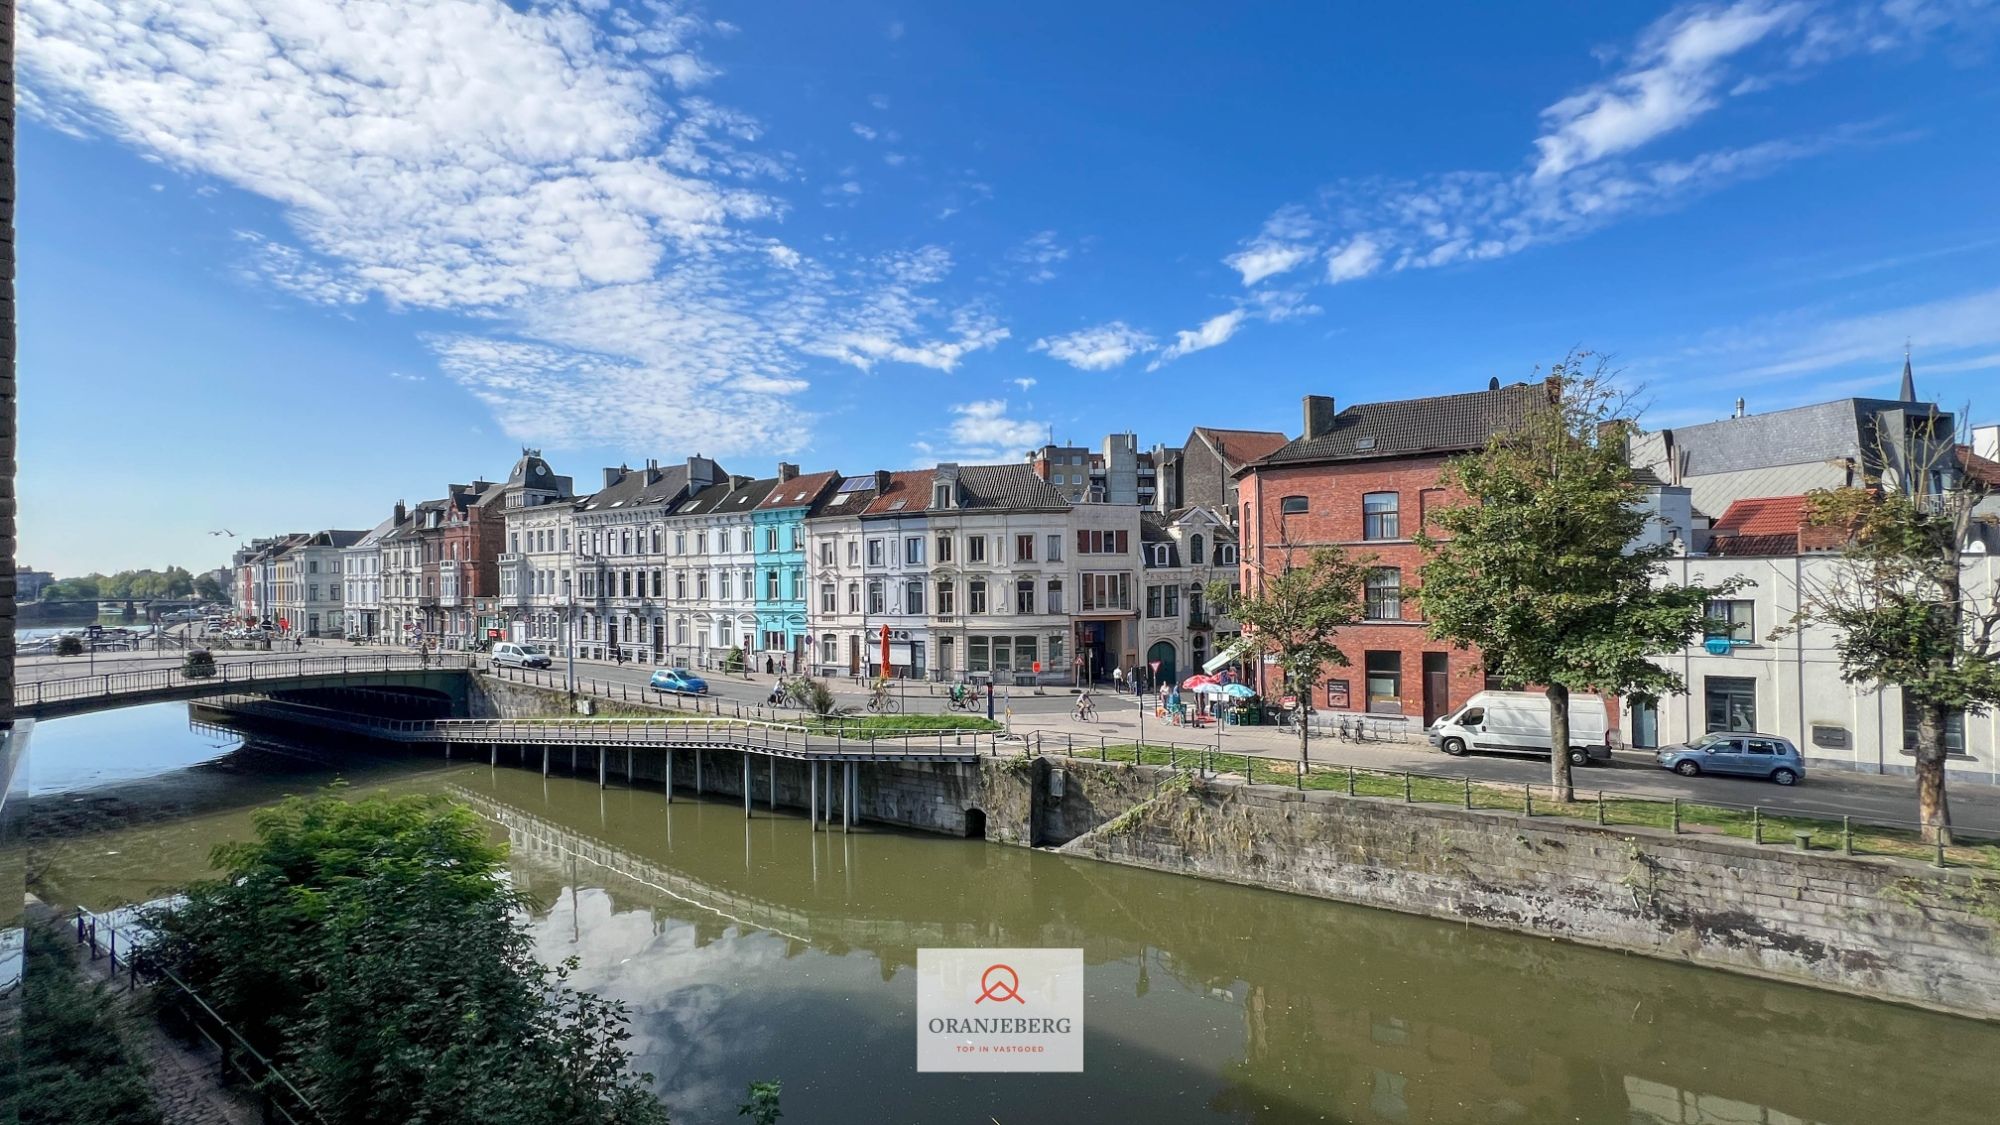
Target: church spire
{"x": 1909, "y": 380}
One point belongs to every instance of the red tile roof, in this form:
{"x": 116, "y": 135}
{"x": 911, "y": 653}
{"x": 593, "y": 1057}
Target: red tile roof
{"x": 1240, "y": 447}
{"x": 1768, "y": 515}
{"x": 1979, "y": 468}
{"x": 907, "y": 492}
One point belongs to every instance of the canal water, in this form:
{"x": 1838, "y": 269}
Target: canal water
{"x": 760, "y": 950}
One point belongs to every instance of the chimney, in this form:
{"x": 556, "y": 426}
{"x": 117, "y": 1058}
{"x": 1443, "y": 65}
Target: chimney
{"x": 881, "y": 481}
{"x": 1319, "y": 416}
{"x": 1739, "y": 408}
{"x": 611, "y": 476}
{"x": 736, "y": 481}
{"x": 652, "y": 470}
{"x": 402, "y": 511}
{"x": 787, "y": 471}
{"x": 701, "y": 473}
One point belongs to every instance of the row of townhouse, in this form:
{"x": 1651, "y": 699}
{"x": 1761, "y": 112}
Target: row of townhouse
{"x": 1728, "y": 496}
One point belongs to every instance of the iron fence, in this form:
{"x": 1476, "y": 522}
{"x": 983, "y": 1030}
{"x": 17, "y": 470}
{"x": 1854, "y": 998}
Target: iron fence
{"x": 226, "y": 672}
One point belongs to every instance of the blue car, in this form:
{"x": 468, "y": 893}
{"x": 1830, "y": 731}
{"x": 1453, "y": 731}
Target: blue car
{"x": 1739, "y": 753}
{"x": 679, "y": 681}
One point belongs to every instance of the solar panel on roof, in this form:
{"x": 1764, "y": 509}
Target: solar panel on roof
{"x": 857, "y": 484}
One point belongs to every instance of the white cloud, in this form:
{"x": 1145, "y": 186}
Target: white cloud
{"x": 1358, "y": 258}
{"x": 1583, "y": 171}
{"x": 541, "y": 171}
{"x": 1039, "y": 255}
{"x": 1024, "y": 383}
{"x": 895, "y": 30}
{"x": 406, "y": 378}
{"x": 1213, "y": 333}
{"x": 984, "y": 427}
{"x": 1097, "y": 349}
{"x": 1671, "y": 80}
{"x": 863, "y": 131}
{"x": 1811, "y": 343}
{"x": 1282, "y": 246}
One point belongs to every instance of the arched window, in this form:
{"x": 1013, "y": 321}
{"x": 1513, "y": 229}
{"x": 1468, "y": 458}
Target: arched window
{"x": 1196, "y": 556}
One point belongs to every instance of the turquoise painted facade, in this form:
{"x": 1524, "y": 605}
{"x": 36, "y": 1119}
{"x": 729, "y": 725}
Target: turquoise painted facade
{"x": 781, "y": 580}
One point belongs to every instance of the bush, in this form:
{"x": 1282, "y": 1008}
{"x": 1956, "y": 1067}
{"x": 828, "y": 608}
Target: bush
{"x": 67, "y": 645}
{"x": 69, "y": 1056}
{"x": 734, "y": 661}
{"x": 199, "y": 665}
{"x": 373, "y": 948}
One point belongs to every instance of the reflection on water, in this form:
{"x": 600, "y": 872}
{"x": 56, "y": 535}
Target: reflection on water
{"x": 757, "y": 949}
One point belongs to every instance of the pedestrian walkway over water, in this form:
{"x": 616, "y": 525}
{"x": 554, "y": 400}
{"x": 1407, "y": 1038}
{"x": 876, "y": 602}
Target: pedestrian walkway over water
{"x": 70, "y": 695}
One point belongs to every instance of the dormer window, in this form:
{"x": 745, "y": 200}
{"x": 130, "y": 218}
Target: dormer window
{"x": 941, "y": 496}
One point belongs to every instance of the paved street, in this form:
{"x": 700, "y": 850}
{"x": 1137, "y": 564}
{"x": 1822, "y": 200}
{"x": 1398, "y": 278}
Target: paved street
{"x": 1882, "y": 800}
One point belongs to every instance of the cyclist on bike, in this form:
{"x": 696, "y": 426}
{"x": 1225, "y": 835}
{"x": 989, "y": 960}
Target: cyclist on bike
{"x": 1085, "y": 709}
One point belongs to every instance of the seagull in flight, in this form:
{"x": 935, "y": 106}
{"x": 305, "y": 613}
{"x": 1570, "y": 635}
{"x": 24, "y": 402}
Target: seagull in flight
{"x": 224, "y": 531}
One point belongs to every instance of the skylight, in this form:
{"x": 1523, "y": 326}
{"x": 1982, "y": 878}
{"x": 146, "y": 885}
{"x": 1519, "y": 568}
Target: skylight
{"x": 897, "y": 506}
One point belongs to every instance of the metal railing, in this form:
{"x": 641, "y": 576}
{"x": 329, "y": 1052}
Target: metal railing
{"x": 183, "y": 1011}
{"x": 227, "y": 673}
{"x": 782, "y": 739}
{"x": 1758, "y": 824}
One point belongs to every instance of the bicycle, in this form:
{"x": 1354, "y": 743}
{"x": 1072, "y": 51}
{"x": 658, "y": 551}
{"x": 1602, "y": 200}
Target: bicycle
{"x": 961, "y": 701}
{"x": 882, "y": 703}
{"x": 1085, "y": 712}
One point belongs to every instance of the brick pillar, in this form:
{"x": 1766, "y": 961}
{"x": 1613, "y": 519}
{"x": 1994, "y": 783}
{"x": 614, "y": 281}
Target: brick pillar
{"x": 8, "y": 444}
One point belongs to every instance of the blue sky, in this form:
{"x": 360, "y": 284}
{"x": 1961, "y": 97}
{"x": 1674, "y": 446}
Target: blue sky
{"x": 283, "y": 263}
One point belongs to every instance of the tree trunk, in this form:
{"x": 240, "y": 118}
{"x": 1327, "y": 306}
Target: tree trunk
{"x": 1932, "y": 810}
{"x": 1559, "y": 742}
{"x": 1303, "y": 694}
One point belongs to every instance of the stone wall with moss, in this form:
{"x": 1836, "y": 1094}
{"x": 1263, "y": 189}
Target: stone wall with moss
{"x": 1885, "y": 928}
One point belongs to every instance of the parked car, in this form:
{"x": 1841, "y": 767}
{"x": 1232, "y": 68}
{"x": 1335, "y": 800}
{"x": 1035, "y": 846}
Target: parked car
{"x": 507, "y": 654}
{"x": 1737, "y": 753}
{"x": 678, "y": 681}
{"x": 1518, "y": 721}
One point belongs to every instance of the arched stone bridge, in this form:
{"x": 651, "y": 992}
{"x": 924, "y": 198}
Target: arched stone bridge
{"x": 71, "y": 695}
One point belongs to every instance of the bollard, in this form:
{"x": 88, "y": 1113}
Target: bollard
{"x": 1468, "y": 791}
{"x": 1677, "y": 816}
{"x": 1528, "y": 799}
{"x": 1406, "y": 787}
{"x": 1600, "y": 806}
{"x": 1303, "y": 767}
{"x": 1846, "y": 836}
{"x": 1802, "y": 839}
{"x": 1939, "y": 839}
{"x": 1756, "y": 824}
{"x": 1350, "y": 778}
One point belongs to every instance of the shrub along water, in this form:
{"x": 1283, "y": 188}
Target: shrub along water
{"x": 372, "y": 948}
{"x": 68, "y": 1054}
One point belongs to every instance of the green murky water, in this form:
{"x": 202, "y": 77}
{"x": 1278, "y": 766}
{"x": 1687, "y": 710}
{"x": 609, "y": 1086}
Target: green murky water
{"x": 758, "y": 949}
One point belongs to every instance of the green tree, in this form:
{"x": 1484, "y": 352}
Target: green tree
{"x": 208, "y": 589}
{"x": 817, "y": 700}
{"x": 1293, "y": 612}
{"x": 67, "y": 645}
{"x": 68, "y": 1055}
{"x": 1538, "y": 568}
{"x": 372, "y": 947}
{"x": 73, "y": 589}
{"x": 1898, "y": 600}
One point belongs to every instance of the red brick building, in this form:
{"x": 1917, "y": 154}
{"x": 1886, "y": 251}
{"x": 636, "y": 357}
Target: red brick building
{"x": 1365, "y": 479}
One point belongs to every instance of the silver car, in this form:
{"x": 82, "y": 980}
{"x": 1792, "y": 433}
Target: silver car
{"x": 1739, "y": 753}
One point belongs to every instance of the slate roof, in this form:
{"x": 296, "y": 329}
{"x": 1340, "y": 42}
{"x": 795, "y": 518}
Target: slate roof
{"x": 335, "y": 538}
{"x": 1240, "y": 447}
{"x": 723, "y": 500}
{"x": 1440, "y": 424}
{"x": 632, "y": 489}
{"x": 1011, "y": 487}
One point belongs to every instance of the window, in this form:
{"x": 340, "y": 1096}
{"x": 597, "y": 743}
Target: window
{"x": 1107, "y": 591}
{"x": 1024, "y": 654}
{"x": 1055, "y": 599}
{"x": 913, "y": 597}
{"x": 947, "y": 599}
{"x": 1385, "y": 594}
{"x": 874, "y": 552}
{"x": 743, "y": 540}
{"x": 1054, "y": 553}
{"x": 770, "y": 539}
{"x": 854, "y": 597}
{"x": 1954, "y": 728}
{"x": 1152, "y": 601}
{"x": 1196, "y": 554}
{"x": 1733, "y": 618}
{"x": 656, "y": 540}
{"x": 913, "y": 550}
{"x": 976, "y": 655}
{"x": 680, "y": 542}
{"x": 940, "y": 496}
{"x": 1102, "y": 542}
{"x": 1380, "y": 516}
{"x": 1385, "y": 682}
{"x": 1293, "y": 506}
{"x": 826, "y": 598}
{"x": 975, "y": 548}
{"x": 722, "y": 585}
{"x": 1003, "y": 653}
{"x": 1173, "y": 606}
{"x": 975, "y": 596}
{"x": 771, "y": 585}
{"x": 826, "y": 552}
{"x": 680, "y": 584}
{"x": 944, "y": 548}
{"x": 877, "y": 600}
{"x": 749, "y": 586}
{"x": 1731, "y": 702}
{"x": 1024, "y": 596}
{"x": 853, "y": 552}
{"x": 701, "y": 542}
{"x": 798, "y": 537}
{"x": 701, "y": 585}
{"x": 1225, "y": 554}
{"x": 1024, "y": 548}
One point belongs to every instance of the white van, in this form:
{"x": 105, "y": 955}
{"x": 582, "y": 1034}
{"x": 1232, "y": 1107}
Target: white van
{"x": 1518, "y": 721}
{"x": 508, "y": 654}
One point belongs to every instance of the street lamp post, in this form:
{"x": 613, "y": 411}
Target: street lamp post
{"x": 569, "y": 643}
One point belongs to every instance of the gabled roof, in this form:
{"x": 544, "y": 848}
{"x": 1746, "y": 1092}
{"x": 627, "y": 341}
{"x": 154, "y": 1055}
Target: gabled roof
{"x": 1981, "y": 469}
{"x": 334, "y": 538}
{"x": 1759, "y": 527}
{"x": 1010, "y": 487}
{"x": 1413, "y": 426}
{"x": 799, "y": 492}
{"x": 727, "y": 498}
{"x": 1237, "y": 448}
{"x": 636, "y": 488}
{"x": 909, "y": 492}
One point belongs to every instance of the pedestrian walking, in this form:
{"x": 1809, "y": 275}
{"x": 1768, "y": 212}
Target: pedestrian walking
{"x": 770, "y": 666}
{"x": 1118, "y": 678}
